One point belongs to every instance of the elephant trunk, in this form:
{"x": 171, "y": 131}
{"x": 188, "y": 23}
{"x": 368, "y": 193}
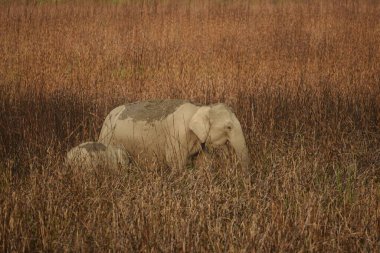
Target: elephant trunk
{"x": 238, "y": 143}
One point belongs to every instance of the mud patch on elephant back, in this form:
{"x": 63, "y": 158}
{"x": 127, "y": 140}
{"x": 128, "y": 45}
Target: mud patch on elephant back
{"x": 151, "y": 110}
{"x": 93, "y": 146}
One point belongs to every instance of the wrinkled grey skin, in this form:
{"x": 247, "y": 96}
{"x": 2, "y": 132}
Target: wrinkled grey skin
{"x": 151, "y": 110}
{"x": 171, "y": 131}
{"x": 95, "y": 154}
{"x": 93, "y": 146}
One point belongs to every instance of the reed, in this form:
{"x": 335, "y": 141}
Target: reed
{"x": 302, "y": 76}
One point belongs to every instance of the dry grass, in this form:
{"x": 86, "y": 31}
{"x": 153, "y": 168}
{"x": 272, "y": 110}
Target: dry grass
{"x": 302, "y": 76}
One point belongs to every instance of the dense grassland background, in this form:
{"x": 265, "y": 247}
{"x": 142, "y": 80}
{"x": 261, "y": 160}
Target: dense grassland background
{"x": 302, "y": 76}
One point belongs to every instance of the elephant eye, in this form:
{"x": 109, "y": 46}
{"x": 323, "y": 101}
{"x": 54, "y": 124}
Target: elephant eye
{"x": 228, "y": 127}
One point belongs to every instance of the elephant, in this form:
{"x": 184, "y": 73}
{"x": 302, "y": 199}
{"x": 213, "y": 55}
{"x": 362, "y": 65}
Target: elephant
{"x": 173, "y": 130}
{"x": 95, "y": 154}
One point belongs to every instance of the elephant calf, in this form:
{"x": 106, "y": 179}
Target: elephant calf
{"x": 94, "y": 154}
{"x": 173, "y": 130}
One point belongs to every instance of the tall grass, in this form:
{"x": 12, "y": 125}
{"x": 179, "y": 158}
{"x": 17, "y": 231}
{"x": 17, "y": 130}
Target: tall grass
{"x": 302, "y": 76}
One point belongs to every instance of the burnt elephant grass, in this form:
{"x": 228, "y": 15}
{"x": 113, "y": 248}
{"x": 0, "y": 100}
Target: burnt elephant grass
{"x": 301, "y": 77}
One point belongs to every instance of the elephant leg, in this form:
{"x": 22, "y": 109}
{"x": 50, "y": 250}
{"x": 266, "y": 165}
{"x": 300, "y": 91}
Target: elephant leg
{"x": 175, "y": 156}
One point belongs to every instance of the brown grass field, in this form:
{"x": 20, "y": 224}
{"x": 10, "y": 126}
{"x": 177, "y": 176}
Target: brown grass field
{"x": 302, "y": 76}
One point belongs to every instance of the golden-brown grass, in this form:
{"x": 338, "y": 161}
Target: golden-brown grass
{"x": 303, "y": 78}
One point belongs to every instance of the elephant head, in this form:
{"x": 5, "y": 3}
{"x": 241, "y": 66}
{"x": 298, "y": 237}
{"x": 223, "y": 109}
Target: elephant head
{"x": 216, "y": 125}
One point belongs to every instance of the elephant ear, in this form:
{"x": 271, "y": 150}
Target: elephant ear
{"x": 200, "y": 123}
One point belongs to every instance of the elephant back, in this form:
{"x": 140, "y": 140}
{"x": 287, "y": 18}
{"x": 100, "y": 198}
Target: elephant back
{"x": 150, "y": 110}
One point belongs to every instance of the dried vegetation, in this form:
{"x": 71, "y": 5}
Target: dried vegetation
{"x": 302, "y": 76}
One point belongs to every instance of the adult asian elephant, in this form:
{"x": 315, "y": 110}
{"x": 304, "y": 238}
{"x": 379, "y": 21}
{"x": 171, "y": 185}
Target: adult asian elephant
{"x": 172, "y": 130}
